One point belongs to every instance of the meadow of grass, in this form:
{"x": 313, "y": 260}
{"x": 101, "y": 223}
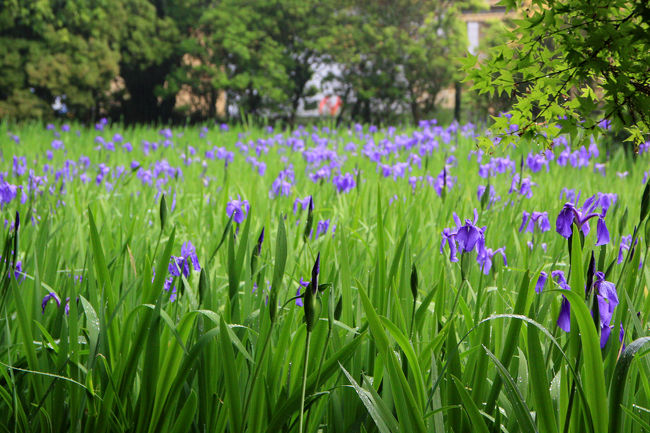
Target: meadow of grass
{"x": 213, "y": 279}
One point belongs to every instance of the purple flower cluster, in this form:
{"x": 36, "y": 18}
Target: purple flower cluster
{"x": 283, "y": 183}
{"x": 8, "y": 192}
{"x": 571, "y": 214}
{"x": 492, "y": 197}
{"x": 55, "y": 297}
{"x": 468, "y": 237}
{"x": 606, "y": 297}
{"x": 523, "y": 186}
{"x": 180, "y": 265}
{"x": 536, "y": 161}
{"x": 344, "y": 183}
{"x": 529, "y": 221}
{"x": 237, "y": 209}
{"x": 496, "y": 166}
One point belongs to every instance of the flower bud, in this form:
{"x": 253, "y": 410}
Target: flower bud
{"x": 310, "y": 220}
{"x": 163, "y": 213}
{"x": 414, "y": 282}
{"x": 645, "y": 202}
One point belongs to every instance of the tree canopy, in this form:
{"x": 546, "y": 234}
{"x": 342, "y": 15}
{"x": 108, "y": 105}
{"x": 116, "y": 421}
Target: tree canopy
{"x": 131, "y": 59}
{"x": 573, "y": 66}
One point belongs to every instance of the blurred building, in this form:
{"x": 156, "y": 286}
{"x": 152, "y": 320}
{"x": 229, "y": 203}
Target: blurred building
{"x": 477, "y": 22}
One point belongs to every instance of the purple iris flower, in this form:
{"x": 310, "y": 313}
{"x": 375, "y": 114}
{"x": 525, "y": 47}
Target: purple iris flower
{"x": 322, "y": 227}
{"x": 283, "y": 183}
{"x": 299, "y": 301}
{"x": 570, "y": 194}
{"x": 468, "y": 235}
{"x": 18, "y": 272}
{"x": 484, "y": 256}
{"x": 47, "y": 298}
{"x": 448, "y": 238}
{"x": 444, "y": 180}
{"x": 530, "y": 219}
{"x": 344, "y": 183}
{"x": 524, "y": 189}
{"x": 602, "y": 234}
{"x": 399, "y": 169}
{"x": 303, "y": 203}
{"x": 167, "y": 133}
{"x": 605, "y": 201}
{"x": 239, "y": 208}
{"x": 493, "y": 198}
{"x": 100, "y": 125}
{"x": 496, "y": 166}
{"x": 189, "y": 252}
{"x": 181, "y": 265}
{"x": 541, "y": 282}
{"x": 535, "y": 162}
{"x": 626, "y": 241}
{"x": 564, "y": 319}
{"x": 54, "y": 296}
{"x": 531, "y": 245}
{"x": 607, "y": 301}
{"x": 570, "y": 214}
{"x": 607, "y": 297}
{"x": 176, "y": 266}
{"x": 8, "y": 192}
{"x": 19, "y": 165}
{"x": 465, "y": 236}
{"x": 566, "y": 217}
{"x": 280, "y": 187}
{"x": 413, "y": 181}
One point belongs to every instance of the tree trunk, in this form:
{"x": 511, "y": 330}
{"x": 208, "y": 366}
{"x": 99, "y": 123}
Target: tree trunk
{"x": 457, "y": 101}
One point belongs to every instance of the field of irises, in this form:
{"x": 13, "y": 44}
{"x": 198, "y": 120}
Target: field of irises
{"x": 216, "y": 279}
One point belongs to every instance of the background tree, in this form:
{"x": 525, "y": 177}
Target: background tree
{"x": 396, "y": 55}
{"x": 50, "y": 49}
{"x": 150, "y": 39}
{"x": 574, "y": 67}
{"x": 135, "y": 60}
{"x": 479, "y": 106}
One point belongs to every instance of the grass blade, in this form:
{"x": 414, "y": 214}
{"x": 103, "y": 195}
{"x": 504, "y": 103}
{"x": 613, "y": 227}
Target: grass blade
{"x": 617, "y": 385}
{"x": 522, "y": 413}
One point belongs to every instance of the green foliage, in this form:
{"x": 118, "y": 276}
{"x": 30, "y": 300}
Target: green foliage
{"x": 138, "y": 59}
{"x": 396, "y": 55}
{"x": 574, "y": 67}
{"x": 468, "y": 351}
{"x": 49, "y": 49}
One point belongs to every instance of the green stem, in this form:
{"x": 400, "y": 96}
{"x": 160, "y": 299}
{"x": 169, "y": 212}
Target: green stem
{"x": 320, "y": 363}
{"x": 155, "y": 251}
{"x": 412, "y": 320}
{"x": 322, "y": 357}
{"x": 571, "y": 396}
{"x": 254, "y": 378}
{"x": 479, "y": 292}
{"x": 628, "y": 256}
{"x": 304, "y": 381}
{"x": 453, "y": 308}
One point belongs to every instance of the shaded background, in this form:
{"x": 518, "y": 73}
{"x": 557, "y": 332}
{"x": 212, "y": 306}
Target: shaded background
{"x": 177, "y": 61}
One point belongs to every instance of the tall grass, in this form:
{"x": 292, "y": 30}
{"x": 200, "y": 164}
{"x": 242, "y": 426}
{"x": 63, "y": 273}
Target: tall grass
{"x": 401, "y": 338}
